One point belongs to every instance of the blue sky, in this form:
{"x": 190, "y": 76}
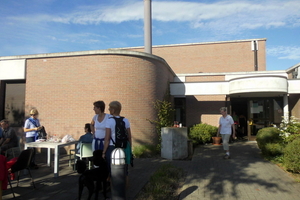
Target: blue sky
{"x": 50, "y": 26}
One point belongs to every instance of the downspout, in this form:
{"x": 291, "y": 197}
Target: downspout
{"x": 255, "y": 48}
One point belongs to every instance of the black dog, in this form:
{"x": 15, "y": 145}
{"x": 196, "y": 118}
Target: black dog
{"x": 99, "y": 175}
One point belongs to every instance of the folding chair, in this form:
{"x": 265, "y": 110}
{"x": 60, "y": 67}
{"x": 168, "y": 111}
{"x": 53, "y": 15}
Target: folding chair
{"x": 86, "y": 151}
{"x": 22, "y": 163}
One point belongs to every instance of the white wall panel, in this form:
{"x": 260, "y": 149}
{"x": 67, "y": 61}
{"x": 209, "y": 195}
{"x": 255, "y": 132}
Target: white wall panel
{"x": 207, "y": 88}
{"x": 12, "y": 69}
{"x": 294, "y": 86}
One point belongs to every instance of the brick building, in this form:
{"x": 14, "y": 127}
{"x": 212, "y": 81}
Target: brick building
{"x": 202, "y": 77}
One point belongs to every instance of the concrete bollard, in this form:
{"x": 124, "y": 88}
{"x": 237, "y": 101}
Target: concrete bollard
{"x": 118, "y": 174}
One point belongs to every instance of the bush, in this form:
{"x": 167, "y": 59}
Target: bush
{"x": 269, "y": 141}
{"x": 273, "y": 149}
{"x": 268, "y": 135}
{"x": 291, "y": 138}
{"x": 144, "y": 151}
{"x": 164, "y": 118}
{"x": 202, "y": 133}
{"x": 290, "y": 126}
{"x": 291, "y": 156}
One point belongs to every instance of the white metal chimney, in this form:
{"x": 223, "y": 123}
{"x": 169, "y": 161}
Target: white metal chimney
{"x": 147, "y": 26}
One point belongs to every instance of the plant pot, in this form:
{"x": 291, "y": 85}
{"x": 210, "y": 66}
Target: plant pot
{"x": 217, "y": 140}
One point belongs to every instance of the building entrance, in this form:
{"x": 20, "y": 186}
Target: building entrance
{"x": 259, "y": 113}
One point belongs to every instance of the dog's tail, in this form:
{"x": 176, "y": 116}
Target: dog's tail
{"x": 80, "y": 166}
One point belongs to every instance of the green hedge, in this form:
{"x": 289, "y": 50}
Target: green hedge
{"x": 291, "y": 157}
{"x": 202, "y": 133}
{"x": 269, "y": 141}
{"x": 273, "y": 149}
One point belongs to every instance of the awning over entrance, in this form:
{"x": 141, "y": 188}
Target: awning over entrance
{"x": 272, "y": 84}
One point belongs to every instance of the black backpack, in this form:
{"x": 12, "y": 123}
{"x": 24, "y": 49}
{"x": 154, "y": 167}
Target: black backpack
{"x": 121, "y": 134}
{"x": 42, "y": 133}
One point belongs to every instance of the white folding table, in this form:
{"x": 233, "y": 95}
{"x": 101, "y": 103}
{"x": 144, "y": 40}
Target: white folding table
{"x": 49, "y": 146}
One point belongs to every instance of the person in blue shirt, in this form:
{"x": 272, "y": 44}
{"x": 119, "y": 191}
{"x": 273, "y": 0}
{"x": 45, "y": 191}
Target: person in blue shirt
{"x": 86, "y": 138}
{"x": 31, "y": 127}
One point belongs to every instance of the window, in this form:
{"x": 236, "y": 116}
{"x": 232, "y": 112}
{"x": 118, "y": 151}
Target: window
{"x": 14, "y": 103}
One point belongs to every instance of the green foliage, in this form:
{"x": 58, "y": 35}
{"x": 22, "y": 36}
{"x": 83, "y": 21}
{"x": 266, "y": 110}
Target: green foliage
{"x": 144, "y": 151}
{"x": 291, "y": 138}
{"x": 291, "y": 158}
{"x": 202, "y": 133}
{"x": 163, "y": 184}
{"x": 289, "y": 128}
{"x": 268, "y": 135}
{"x": 165, "y": 113}
{"x": 282, "y": 145}
{"x": 273, "y": 149}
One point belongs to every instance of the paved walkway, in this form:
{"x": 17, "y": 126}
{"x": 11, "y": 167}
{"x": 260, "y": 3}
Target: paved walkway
{"x": 208, "y": 177}
{"x": 245, "y": 176}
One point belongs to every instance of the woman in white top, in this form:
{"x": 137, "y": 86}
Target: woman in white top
{"x": 98, "y": 125}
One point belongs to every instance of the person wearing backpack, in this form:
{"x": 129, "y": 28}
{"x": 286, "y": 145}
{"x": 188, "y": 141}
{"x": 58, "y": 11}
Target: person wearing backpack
{"x": 116, "y": 136}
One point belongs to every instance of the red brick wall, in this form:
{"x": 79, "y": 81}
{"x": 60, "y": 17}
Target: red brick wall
{"x": 294, "y": 105}
{"x": 204, "y": 78}
{"x": 232, "y": 56}
{"x": 205, "y": 109}
{"x": 63, "y": 89}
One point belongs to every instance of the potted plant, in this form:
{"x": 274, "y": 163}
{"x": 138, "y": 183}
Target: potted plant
{"x": 217, "y": 140}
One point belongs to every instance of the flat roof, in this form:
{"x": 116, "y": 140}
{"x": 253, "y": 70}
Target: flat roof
{"x": 199, "y": 43}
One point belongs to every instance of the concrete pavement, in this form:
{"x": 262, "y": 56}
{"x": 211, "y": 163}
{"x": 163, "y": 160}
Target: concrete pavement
{"x": 245, "y": 176}
{"x": 208, "y": 177}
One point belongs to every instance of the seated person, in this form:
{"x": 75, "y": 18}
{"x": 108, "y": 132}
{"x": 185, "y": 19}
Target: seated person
{"x": 86, "y": 138}
{"x": 1, "y": 132}
{"x": 9, "y": 138}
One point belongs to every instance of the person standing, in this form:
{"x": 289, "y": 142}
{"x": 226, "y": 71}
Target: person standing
{"x": 9, "y": 138}
{"x": 226, "y": 127}
{"x": 98, "y": 125}
{"x": 31, "y": 127}
{"x": 115, "y": 110}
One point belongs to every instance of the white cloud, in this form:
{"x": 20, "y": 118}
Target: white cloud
{"x": 83, "y": 38}
{"x": 285, "y": 52}
{"x": 219, "y": 18}
{"x": 241, "y": 14}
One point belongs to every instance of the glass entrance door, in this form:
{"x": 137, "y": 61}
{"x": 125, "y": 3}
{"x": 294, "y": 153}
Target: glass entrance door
{"x": 264, "y": 112}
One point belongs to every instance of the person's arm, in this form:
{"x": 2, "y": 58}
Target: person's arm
{"x": 32, "y": 129}
{"x": 93, "y": 126}
{"x": 233, "y": 130}
{"x": 129, "y": 136}
{"x": 106, "y": 140}
{"x": 7, "y": 140}
{"x": 219, "y": 128}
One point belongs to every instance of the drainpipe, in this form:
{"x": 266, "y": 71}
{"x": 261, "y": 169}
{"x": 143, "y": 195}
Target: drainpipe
{"x": 255, "y": 48}
{"x": 147, "y": 26}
